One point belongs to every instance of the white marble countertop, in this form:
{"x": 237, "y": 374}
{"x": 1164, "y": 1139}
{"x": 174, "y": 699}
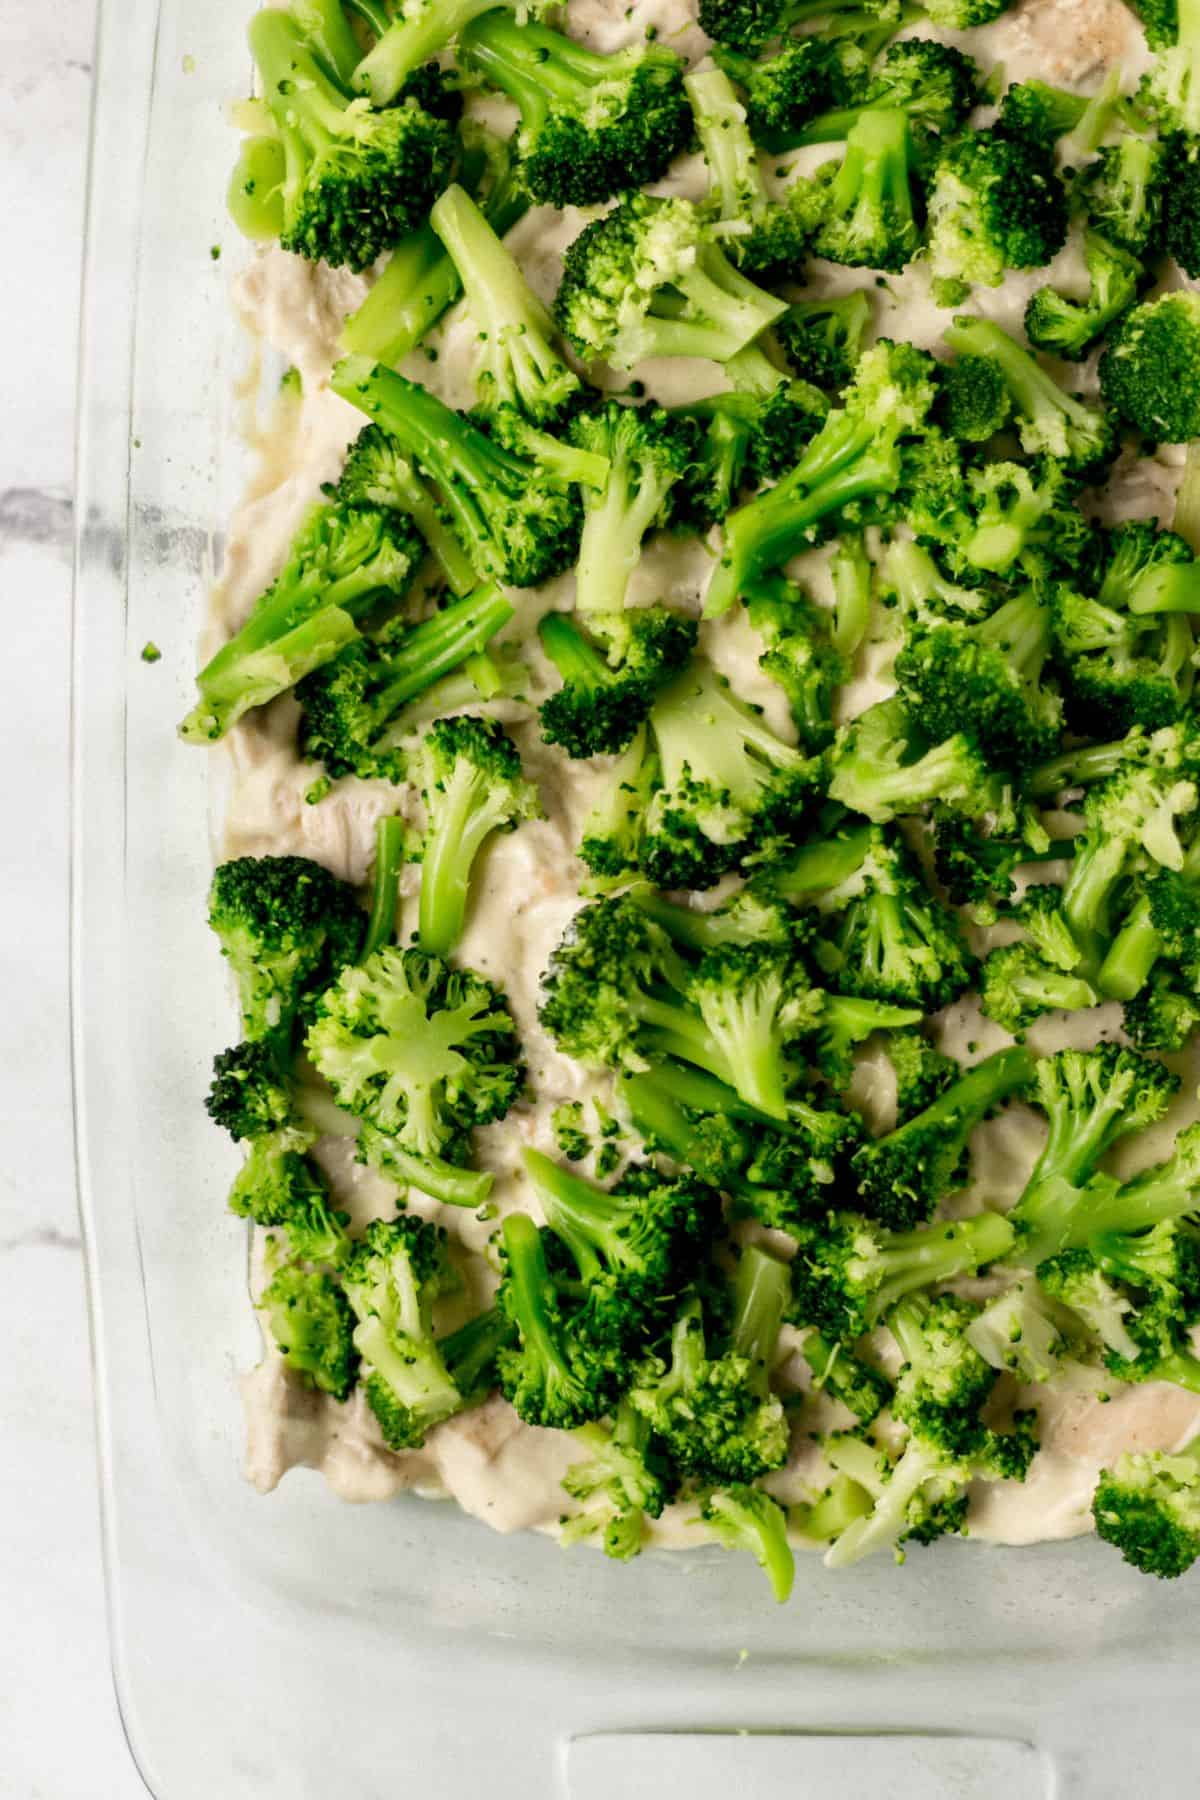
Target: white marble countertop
{"x": 60, "y": 1736}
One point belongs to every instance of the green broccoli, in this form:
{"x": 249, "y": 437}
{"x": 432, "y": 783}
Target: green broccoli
{"x": 1019, "y": 1331}
{"x": 765, "y": 237}
{"x": 1067, "y": 327}
{"x": 974, "y": 401}
{"x": 329, "y": 176}
{"x": 860, "y": 1387}
{"x": 1018, "y": 985}
{"x": 286, "y": 926}
{"x": 553, "y": 1375}
{"x": 878, "y": 769}
{"x": 934, "y": 85}
{"x": 861, "y": 210}
{"x": 353, "y": 717}
{"x": 623, "y": 1481}
{"x": 395, "y": 1274}
{"x": 413, "y": 36}
{"x": 995, "y": 204}
{"x": 515, "y": 521}
{"x": 806, "y": 76}
{"x": 472, "y": 786}
{"x": 746, "y": 1518}
{"x": 250, "y": 1096}
{"x": 590, "y": 126}
{"x": 800, "y": 654}
{"x": 518, "y": 363}
{"x": 610, "y": 846}
{"x": 1148, "y": 1507}
{"x": 1150, "y": 370}
{"x": 280, "y": 1189}
{"x": 311, "y": 1324}
{"x": 1169, "y": 93}
{"x": 343, "y": 561}
{"x": 1163, "y": 1014}
{"x": 822, "y": 339}
{"x": 647, "y": 452}
{"x": 651, "y": 279}
{"x": 1123, "y": 193}
{"x": 422, "y": 1053}
{"x": 903, "y": 1176}
{"x": 1048, "y": 422}
{"x": 921, "y": 1071}
{"x": 609, "y": 687}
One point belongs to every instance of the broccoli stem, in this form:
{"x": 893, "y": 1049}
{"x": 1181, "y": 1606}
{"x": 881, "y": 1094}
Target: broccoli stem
{"x": 822, "y": 865}
{"x": 727, "y": 147}
{"x": 1167, "y": 588}
{"x": 1077, "y": 768}
{"x": 841, "y": 464}
{"x": 418, "y": 35}
{"x": 1085, "y": 137}
{"x": 325, "y": 24}
{"x": 439, "y": 1179}
{"x": 389, "y": 855}
{"x": 762, "y": 1289}
{"x": 1166, "y": 1191}
{"x": 468, "y": 809}
{"x": 373, "y": 13}
{"x": 1133, "y": 953}
{"x": 303, "y": 100}
{"x": 529, "y": 1284}
{"x": 418, "y": 284}
{"x": 614, "y": 524}
{"x": 470, "y": 1353}
{"x": 1035, "y": 394}
{"x": 438, "y": 645}
{"x": 942, "y": 1252}
{"x": 851, "y": 570}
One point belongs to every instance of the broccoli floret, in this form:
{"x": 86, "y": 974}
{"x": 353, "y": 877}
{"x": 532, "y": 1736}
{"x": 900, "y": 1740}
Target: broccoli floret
{"x": 746, "y": 1518}
{"x": 612, "y": 832}
{"x": 1019, "y": 985}
{"x": 765, "y": 237}
{"x": 591, "y": 126}
{"x": 1150, "y": 370}
{"x": 632, "y": 1248}
{"x": 1163, "y": 1015}
{"x": 1148, "y": 1507}
{"x": 861, "y": 210}
{"x": 859, "y": 1387}
{"x": 996, "y": 203}
{"x": 518, "y": 364}
{"x": 747, "y": 436}
{"x": 1016, "y": 518}
{"x": 396, "y": 1272}
{"x": 516, "y": 522}
{"x": 1017, "y": 1331}
{"x": 944, "y": 1382}
{"x": 286, "y": 926}
{"x": 418, "y": 33}
{"x": 977, "y": 870}
{"x": 377, "y": 473}
{"x": 985, "y": 680}
{"x": 903, "y": 1176}
{"x": 616, "y": 989}
{"x": 470, "y": 1353}
{"x": 1134, "y": 811}
{"x": 353, "y": 705}
{"x": 974, "y": 401}
{"x": 855, "y": 457}
{"x": 753, "y": 918}
{"x": 422, "y": 1053}
{"x": 472, "y": 786}
{"x": 893, "y": 941}
{"x": 1123, "y": 192}
{"x": 1038, "y": 111}
{"x": 342, "y": 562}
{"x": 608, "y": 688}
{"x": 800, "y": 655}
{"x": 749, "y": 24}
{"x": 554, "y": 1375}
{"x": 1121, "y": 669}
{"x": 877, "y": 769}
{"x": 420, "y": 282}
{"x": 911, "y": 580}
{"x": 922, "y": 1072}
{"x": 1074, "y": 1279}
{"x": 848, "y": 1272}
{"x": 822, "y": 339}
{"x": 624, "y": 1480}
{"x": 1169, "y": 93}
{"x": 1049, "y": 422}
{"x": 1150, "y": 571}
{"x": 1091, "y": 1099}
{"x": 727, "y": 783}
{"x": 250, "y": 1096}
{"x": 647, "y": 451}
{"x": 311, "y": 1323}
{"x": 934, "y": 85}
{"x": 713, "y": 1408}
{"x": 805, "y": 77}
{"x": 280, "y": 1189}
{"x": 331, "y": 177}
{"x": 1067, "y": 327}
{"x": 650, "y": 279}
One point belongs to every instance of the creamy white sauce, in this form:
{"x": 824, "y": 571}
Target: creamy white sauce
{"x": 496, "y": 1468}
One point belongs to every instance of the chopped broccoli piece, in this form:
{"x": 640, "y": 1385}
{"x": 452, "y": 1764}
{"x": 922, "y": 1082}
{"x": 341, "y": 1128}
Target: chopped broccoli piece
{"x": 1169, "y": 93}
{"x": 647, "y": 452}
{"x": 805, "y": 77}
{"x": 934, "y": 85}
{"x": 746, "y": 1518}
{"x": 412, "y": 37}
{"x": 1018, "y": 1332}
{"x": 1019, "y": 985}
{"x": 518, "y": 364}
{"x": 1148, "y": 1507}
{"x": 877, "y": 769}
{"x": 996, "y": 203}
{"x": 396, "y": 1272}
{"x": 861, "y": 210}
{"x": 651, "y": 279}
{"x": 1036, "y": 110}
{"x": 353, "y": 705}
{"x": 903, "y": 1176}
{"x": 623, "y": 1480}
{"x": 860, "y": 1387}
{"x": 800, "y": 655}
{"x": 286, "y": 926}
{"x": 554, "y": 1375}
{"x": 727, "y": 783}
{"x": 280, "y": 1189}
{"x": 472, "y": 786}
{"x": 922, "y": 1072}
{"x": 1150, "y": 370}
{"x": 250, "y": 1096}
{"x": 312, "y": 1327}
{"x": 516, "y": 522}
{"x": 1163, "y": 1015}
{"x": 421, "y": 1052}
{"x": 341, "y": 563}
{"x": 1123, "y": 191}
{"x": 764, "y": 237}
{"x": 608, "y": 688}
{"x": 330, "y": 177}
{"x": 612, "y": 832}
{"x": 1049, "y": 422}
{"x": 822, "y": 338}
{"x": 974, "y": 401}
{"x": 1066, "y": 327}
{"x": 591, "y": 126}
